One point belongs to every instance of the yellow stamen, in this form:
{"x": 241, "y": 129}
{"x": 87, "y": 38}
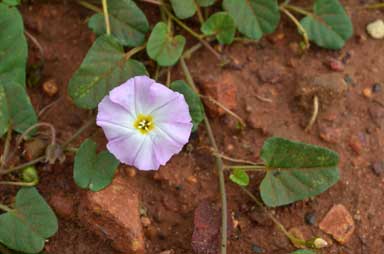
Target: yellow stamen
{"x": 144, "y": 123}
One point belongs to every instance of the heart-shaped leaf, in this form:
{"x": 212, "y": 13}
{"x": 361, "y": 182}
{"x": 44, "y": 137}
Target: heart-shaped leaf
{"x": 15, "y": 107}
{"x": 184, "y": 8}
{"x": 128, "y": 23}
{"x": 329, "y": 26}
{"x": 105, "y": 67}
{"x": 239, "y": 177}
{"x": 254, "y": 17}
{"x": 296, "y": 171}
{"x": 196, "y": 108}
{"x": 205, "y": 3}
{"x": 13, "y": 45}
{"x": 91, "y": 170}
{"x": 163, "y": 47}
{"x": 222, "y": 26}
{"x": 26, "y": 227}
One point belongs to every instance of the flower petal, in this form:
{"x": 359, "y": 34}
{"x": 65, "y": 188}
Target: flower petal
{"x": 164, "y": 146}
{"x": 175, "y": 111}
{"x": 114, "y": 119}
{"x": 146, "y": 158}
{"x": 178, "y": 132}
{"x": 126, "y": 147}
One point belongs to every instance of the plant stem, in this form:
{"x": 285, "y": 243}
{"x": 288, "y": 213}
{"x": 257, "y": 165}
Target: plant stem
{"x": 314, "y": 113}
{"x": 219, "y": 163}
{"x": 88, "y": 124}
{"x": 134, "y": 51}
{"x": 298, "y": 24}
{"x": 248, "y": 167}
{"x": 89, "y": 6}
{"x": 278, "y": 224}
{"x": 5, "y": 208}
{"x": 21, "y": 166}
{"x": 225, "y": 157}
{"x": 198, "y": 11}
{"x": 169, "y": 72}
{"x": 297, "y": 9}
{"x": 25, "y": 184}
{"x": 193, "y": 33}
{"x": 7, "y": 145}
{"x": 374, "y": 6}
{"x": 106, "y": 16}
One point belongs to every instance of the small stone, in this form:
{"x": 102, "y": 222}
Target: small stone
{"x": 367, "y": 92}
{"x": 329, "y": 134}
{"x": 356, "y": 143}
{"x": 376, "y": 29}
{"x": 167, "y": 252}
{"x": 114, "y": 213}
{"x": 349, "y": 80}
{"x": 376, "y": 88}
{"x": 310, "y": 218}
{"x": 378, "y": 167}
{"x": 192, "y": 179}
{"x": 257, "y": 249}
{"x": 50, "y": 87}
{"x": 335, "y": 65}
{"x": 131, "y": 172}
{"x": 339, "y": 223}
{"x": 145, "y": 221}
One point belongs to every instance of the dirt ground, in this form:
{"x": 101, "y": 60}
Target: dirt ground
{"x": 271, "y": 68}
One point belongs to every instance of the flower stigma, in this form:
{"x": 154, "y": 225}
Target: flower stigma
{"x": 144, "y": 123}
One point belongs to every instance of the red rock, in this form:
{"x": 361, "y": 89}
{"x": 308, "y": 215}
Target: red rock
{"x": 356, "y": 142}
{"x": 114, "y": 213}
{"x": 339, "y": 223}
{"x": 206, "y": 233}
{"x": 223, "y": 90}
{"x": 271, "y": 72}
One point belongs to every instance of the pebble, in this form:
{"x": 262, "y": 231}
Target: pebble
{"x": 145, "y": 221}
{"x": 376, "y": 29}
{"x": 378, "y": 167}
{"x": 335, "y": 65}
{"x": 310, "y": 218}
{"x": 376, "y": 88}
{"x": 167, "y": 252}
{"x": 339, "y": 223}
{"x": 50, "y": 87}
{"x": 257, "y": 249}
{"x": 192, "y": 179}
{"x": 367, "y": 92}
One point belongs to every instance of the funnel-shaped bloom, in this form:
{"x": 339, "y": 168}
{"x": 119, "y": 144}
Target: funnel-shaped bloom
{"x": 145, "y": 122}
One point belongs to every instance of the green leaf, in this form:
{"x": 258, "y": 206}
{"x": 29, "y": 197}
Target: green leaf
{"x": 183, "y": 8}
{"x": 15, "y": 107}
{"x": 163, "y": 47}
{"x": 239, "y": 177}
{"x": 254, "y": 17}
{"x": 329, "y": 26}
{"x": 205, "y": 3}
{"x": 26, "y": 227}
{"x": 296, "y": 171}
{"x": 221, "y": 25}
{"x": 12, "y": 2}
{"x": 196, "y": 108}
{"x": 128, "y": 23}
{"x": 91, "y": 170}
{"x": 105, "y": 67}
{"x": 303, "y": 252}
{"x": 13, "y": 45}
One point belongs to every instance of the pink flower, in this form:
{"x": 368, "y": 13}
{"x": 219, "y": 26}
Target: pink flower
{"x": 145, "y": 122}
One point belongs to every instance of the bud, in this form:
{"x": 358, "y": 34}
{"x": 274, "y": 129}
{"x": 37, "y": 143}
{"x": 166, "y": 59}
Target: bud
{"x": 29, "y": 175}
